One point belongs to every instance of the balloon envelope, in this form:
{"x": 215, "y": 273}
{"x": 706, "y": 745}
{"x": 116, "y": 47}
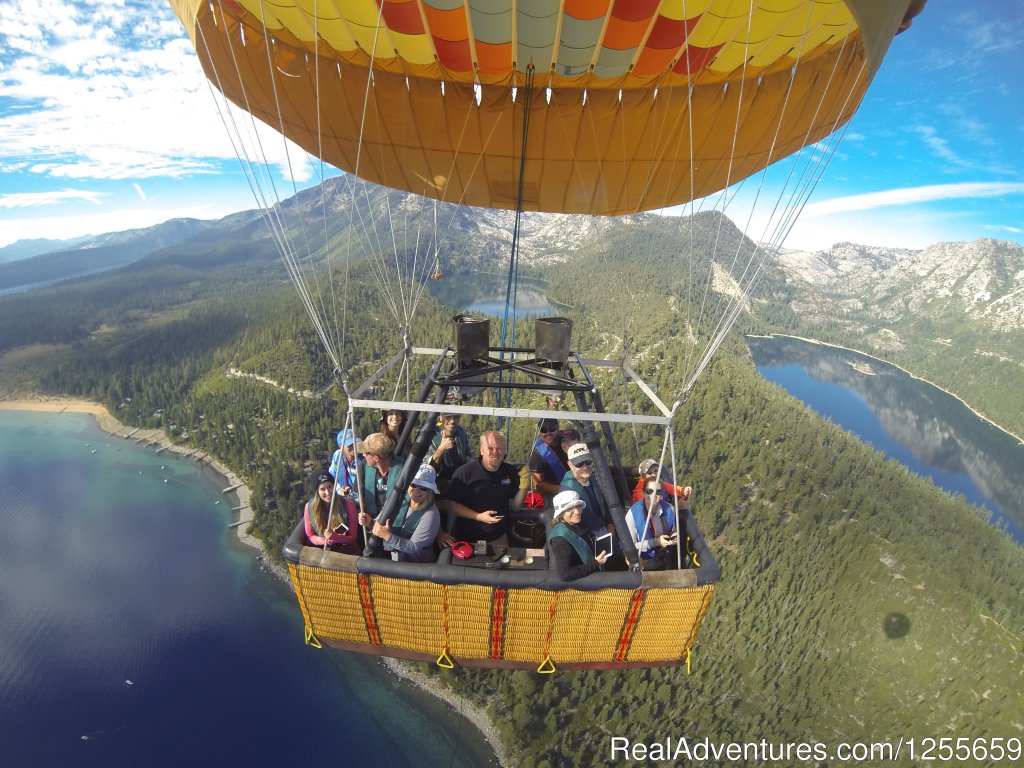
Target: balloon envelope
{"x": 633, "y": 104}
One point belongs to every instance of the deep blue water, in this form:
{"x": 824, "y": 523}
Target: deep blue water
{"x": 911, "y": 421}
{"x": 116, "y": 566}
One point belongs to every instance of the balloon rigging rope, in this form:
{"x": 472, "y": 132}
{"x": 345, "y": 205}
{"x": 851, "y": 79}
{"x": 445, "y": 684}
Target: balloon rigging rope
{"x": 814, "y": 166}
{"x": 253, "y": 172}
{"x": 289, "y": 253}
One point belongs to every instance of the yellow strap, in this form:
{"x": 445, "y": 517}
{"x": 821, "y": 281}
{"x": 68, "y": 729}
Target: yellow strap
{"x": 687, "y": 661}
{"x": 691, "y": 551}
{"x": 547, "y": 667}
{"x": 311, "y": 639}
{"x": 444, "y": 661}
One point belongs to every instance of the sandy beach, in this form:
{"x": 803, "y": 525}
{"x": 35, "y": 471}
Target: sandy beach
{"x": 157, "y": 439}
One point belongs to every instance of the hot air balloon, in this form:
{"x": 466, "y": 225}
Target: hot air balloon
{"x": 595, "y": 107}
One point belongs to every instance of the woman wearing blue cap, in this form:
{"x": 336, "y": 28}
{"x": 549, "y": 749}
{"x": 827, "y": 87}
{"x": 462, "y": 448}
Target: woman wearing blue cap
{"x": 345, "y": 464}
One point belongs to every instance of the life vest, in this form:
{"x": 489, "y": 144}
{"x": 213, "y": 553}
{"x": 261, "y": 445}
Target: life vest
{"x": 583, "y": 549}
{"x": 639, "y": 512}
{"x": 343, "y": 508}
{"x": 370, "y": 487}
{"x": 462, "y": 450}
{"x": 550, "y": 459}
{"x": 595, "y": 513}
{"x": 344, "y": 470}
{"x": 405, "y": 523}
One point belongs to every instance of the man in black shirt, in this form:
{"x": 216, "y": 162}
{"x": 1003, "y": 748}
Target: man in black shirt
{"x": 482, "y": 493}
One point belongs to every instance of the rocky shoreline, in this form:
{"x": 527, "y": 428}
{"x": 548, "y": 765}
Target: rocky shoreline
{"x": 156, "y": 438}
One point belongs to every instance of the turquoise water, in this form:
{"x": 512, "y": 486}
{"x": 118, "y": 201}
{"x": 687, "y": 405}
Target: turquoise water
{"x": 135, "y": 631}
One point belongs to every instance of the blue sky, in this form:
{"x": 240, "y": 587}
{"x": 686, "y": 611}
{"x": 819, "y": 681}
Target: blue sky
{"x": 107, "y": 123}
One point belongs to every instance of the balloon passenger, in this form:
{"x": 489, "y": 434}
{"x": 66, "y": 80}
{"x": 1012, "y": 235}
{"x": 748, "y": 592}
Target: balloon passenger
{"x": 391, "y": 423}
{"x": 450, "y": 448}
{"x": 482, "y": 493}
{"x": 649, "y": 470}
{"x": 345, "y": 463}
{"x": 324, "y": 525}
{"x": 570, "y": 543}
{"x": 567, "y": 438}
{"x": 660, "y": 538}
{"x": 547, "y": 462}
{"x": 379, "y": 475}
{"x": 596, "y": 517}
{"x": 411, "y": 538}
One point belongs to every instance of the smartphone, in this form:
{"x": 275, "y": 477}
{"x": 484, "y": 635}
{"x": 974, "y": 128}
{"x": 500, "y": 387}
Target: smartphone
{"x": 601, "y": 541}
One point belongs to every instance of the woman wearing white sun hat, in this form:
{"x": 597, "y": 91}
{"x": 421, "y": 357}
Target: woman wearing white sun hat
{"x": 411, "y": 538}
{"x": 570, "y": 542}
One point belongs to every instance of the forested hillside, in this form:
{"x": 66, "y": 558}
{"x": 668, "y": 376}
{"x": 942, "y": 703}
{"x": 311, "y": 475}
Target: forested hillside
{"x": 857, "y": 602}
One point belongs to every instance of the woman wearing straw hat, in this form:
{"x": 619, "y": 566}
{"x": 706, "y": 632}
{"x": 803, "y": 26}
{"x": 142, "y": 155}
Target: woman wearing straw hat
{"x": 411, "y": 538}
{"x": 571, "y": 543}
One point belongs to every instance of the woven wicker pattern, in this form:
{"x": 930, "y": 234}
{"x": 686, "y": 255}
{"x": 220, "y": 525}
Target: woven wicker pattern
{"x": 409, "y": 614}
{"x": 469, "y": 621}
{"x": 477, "y": 623}
{"x": 331, "y": 603}
{"x": 587, "y": 625}
{"x": 528, "y": 624}
{"x": 669, "y": 622}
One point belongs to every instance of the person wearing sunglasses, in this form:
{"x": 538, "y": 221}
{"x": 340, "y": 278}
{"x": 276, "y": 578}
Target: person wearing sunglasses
{"x": 578, "y": 478}
{"x": 411, "y": 538}
{"x": 652, "y": 524}
{"x": 547, "y": 462}
{"x": 650, "y": 471}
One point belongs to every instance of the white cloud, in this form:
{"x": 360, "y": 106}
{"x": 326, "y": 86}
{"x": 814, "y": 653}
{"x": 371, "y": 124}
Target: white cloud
{"x": 138, "y": 190}
{"x": 107, "y": 90}
{"x": 56, "y": 197}
{"x": 1004, "y": 228}
{"x": 910, "y": 195}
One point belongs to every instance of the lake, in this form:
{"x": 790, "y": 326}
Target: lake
{"x": 137, "y": 632}
{"x": 926, "y": 429}
{"x": 483, "y": 293}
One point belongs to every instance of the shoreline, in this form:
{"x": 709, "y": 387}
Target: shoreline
{"x": 151, "y": 438}
{"x": 464, "y": 708}
{"x": 156, "y": 438}
{"x": 955, "y": 396}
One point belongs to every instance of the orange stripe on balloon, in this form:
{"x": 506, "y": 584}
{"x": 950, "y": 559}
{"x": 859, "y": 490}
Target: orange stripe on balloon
{"x": 586, "y": 9}
{"x": 494, "y": 58}
{"x": 651, "y": 61}
{"x": 447, "y": 25}
{"x": 622, "y": 35}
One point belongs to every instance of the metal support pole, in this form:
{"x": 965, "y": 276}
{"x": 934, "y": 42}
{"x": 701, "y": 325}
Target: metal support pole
{"x": 607, "y": 486}
{"x": 412, "y": 463}
{"x": 613, "y": 450}
{"x": 412, "y": 417}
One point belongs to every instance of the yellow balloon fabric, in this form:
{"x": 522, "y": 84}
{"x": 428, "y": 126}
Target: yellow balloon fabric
{"x": 633, "y": 104}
